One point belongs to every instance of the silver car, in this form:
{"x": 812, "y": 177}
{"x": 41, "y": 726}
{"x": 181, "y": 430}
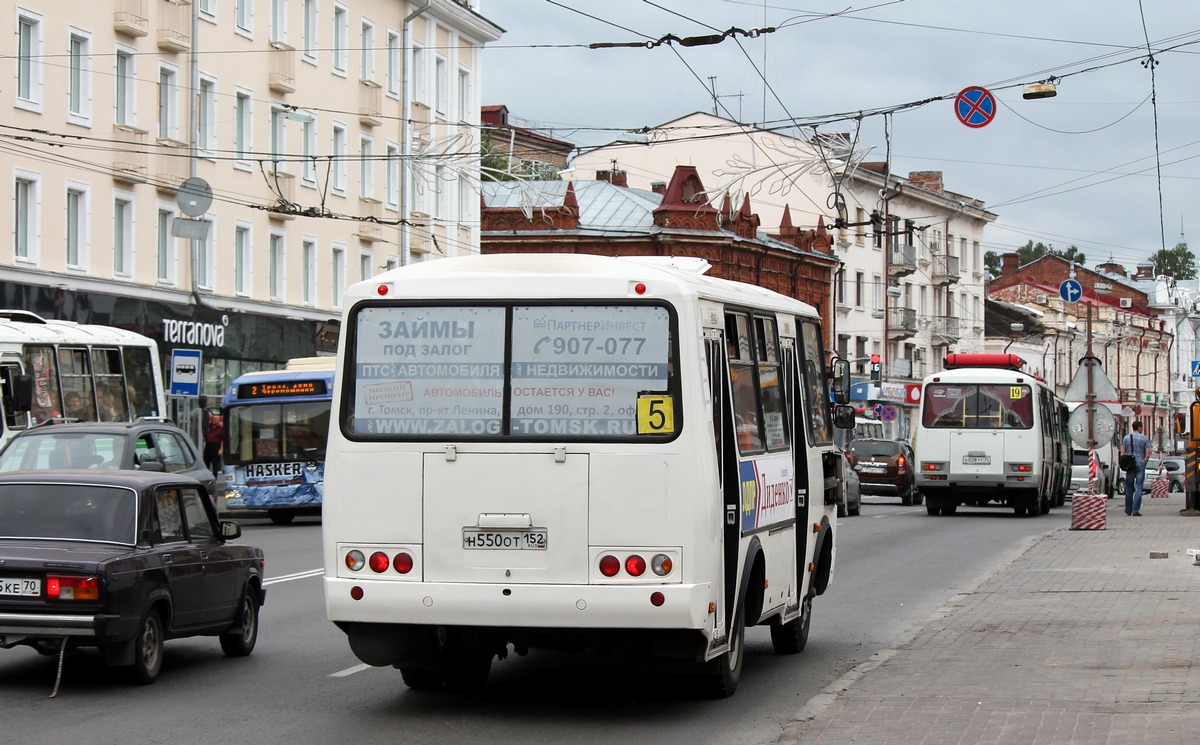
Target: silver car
{"x": 851, "y": 501}
{"x": 1080, "y": 476}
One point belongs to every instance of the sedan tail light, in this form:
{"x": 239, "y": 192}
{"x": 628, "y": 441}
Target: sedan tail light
{"x": 73, "y": 588}
{"x": 901, "y": 464}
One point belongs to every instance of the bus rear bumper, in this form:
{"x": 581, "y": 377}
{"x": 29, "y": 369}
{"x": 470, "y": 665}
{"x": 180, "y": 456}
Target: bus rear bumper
{"x": 519, "y": 605}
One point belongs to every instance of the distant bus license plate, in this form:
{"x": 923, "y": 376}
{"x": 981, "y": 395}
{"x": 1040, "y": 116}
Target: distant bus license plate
{"x": 21, "y": 587}
{"x": 977, "y": 460}
{"x": 532, "y": 540}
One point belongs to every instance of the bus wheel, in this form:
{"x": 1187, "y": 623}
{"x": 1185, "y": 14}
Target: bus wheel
{"x": 792, "y": 637}
{"x": 720, "y": 676}
{"x": 281, "y": 517}
{"x": 422, "y": 678}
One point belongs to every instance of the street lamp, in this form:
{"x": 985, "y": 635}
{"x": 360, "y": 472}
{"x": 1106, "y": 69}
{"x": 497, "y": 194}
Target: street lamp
{"x": 1015, "y": 327}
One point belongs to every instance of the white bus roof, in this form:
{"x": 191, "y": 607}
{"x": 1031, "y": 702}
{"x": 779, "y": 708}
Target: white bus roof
{"x": 311, "y": 363}
{"x": 477, "y": 277}
{"x": 26, "y": 328}
{"x": 981, "y": 375}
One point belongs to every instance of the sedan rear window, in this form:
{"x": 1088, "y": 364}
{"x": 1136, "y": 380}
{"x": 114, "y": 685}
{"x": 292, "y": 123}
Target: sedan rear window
{"x": 885, "y": 448}
{"x": 68, "y": 512}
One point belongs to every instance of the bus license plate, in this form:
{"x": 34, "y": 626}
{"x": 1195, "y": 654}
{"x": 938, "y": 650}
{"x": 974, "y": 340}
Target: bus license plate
{"x": 20, "y": 587}
{"x": 977, "y": 460}
{"x": 532, "y": 540}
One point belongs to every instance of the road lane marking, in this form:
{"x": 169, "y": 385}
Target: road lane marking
{"x": 350, "y": 671}
{"x": 297, "y": 575}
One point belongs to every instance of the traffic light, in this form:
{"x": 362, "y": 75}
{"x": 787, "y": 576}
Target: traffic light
{"x": 876, "y": 368}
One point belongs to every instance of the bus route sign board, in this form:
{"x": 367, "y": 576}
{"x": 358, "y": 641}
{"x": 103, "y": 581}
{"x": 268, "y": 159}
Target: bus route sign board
{"x": 185, "y": 372}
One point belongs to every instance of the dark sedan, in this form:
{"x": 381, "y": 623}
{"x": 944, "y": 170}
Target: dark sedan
{"x": 122, "y": 561}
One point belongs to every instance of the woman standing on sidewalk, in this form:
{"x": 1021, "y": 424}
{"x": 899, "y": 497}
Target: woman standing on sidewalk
{"x": 1137, "y": 445}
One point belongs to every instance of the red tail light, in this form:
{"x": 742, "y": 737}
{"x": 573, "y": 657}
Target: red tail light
{"x": 73, "y": 588}
{"x": 902, "y": 464}
{"x": 635, "y": 565}
{"x": 378, "y": 562}
{"x": 610, "y": 565}
{"x": 403, "y": 563}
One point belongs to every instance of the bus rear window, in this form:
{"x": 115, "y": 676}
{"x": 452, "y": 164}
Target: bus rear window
{"x": 581, "y": 372}
{"x": 977, "y": 406}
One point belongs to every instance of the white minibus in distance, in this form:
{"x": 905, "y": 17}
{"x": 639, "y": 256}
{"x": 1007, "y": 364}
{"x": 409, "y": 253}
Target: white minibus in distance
{"x": 573, "y": 452}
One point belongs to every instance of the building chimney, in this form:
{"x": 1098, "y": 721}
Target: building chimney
{"x": 1009, "y": 263}
{"x": 1144, "y": 271}
{"x": 931, "y": 180}
{"x": 658, "y": 187}
{"x": 614, "y": 177}
{"x": 1111, "y": 267}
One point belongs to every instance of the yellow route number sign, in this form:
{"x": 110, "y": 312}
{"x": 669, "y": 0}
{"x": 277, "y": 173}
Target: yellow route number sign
{"x": 655, "y": 414}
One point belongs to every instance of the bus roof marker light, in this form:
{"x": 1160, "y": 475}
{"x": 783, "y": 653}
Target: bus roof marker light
{"x": 382, "y": 290}
{"x": 639, "y": 288}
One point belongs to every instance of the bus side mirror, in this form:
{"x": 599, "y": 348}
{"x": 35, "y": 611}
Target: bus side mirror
{"x": 840, "y": 372}
{"x": 22, "y": 393}
{"x": 843, "y": 416}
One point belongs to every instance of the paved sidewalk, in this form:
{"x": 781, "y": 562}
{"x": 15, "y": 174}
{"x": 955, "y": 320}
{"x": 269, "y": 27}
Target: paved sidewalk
{"x": 1083, "y": 639}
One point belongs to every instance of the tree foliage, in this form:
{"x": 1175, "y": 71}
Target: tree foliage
{"x": 1178, "y": 262}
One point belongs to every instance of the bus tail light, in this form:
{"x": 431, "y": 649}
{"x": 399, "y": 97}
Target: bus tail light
{"x": 379, "y": 562}
{"x": 661, "y": 565}
{"x": 932, "y": 466}
{"x": 1022, "y": 467}
{"x": 610, "y": 565}
{"x": 355, "y": 560}
{"x": 73, "y": 588}
{"x": 403, "y": 562}
{"x": 635, "y": 565}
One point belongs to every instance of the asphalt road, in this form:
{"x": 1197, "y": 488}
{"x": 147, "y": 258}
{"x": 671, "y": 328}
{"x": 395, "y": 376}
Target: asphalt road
{"x": 896, "y": 566}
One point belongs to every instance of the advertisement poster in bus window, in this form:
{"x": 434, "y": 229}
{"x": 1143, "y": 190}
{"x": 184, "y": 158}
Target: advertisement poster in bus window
{"x": 429, "y": 371}
{"x": 768, "y": 492}
{"x": 579, "y": 370}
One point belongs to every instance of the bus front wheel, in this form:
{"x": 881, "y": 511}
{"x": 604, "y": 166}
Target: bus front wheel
{"x": 792, "y": 637}
{"x": 281, "y": 517}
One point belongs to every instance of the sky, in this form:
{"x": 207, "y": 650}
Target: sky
{"x": 1108, "y": 165}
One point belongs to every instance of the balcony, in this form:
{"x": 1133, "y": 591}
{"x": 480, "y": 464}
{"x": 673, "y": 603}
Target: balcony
{"x": 171, "y": 164}
{"x": 944, "y": 330}
{"x": 368, "y": 231}
{"x": 902, "y": 323}
{"x": 370, "y": 103}
{"x": 175, "y": 25}
{"x": 130, "y": 158}
{"x": 944, "y": 270}
{"x": 129, "y": 19}
{"x": 903, "y": 261}
{"x": 281, "y": 74}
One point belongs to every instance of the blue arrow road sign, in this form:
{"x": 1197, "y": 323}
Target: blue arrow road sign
{"x": 1070, "y": 290}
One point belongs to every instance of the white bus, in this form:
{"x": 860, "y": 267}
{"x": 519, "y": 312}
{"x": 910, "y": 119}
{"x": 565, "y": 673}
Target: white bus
{"x": 575, "y": 451}
{"x": 60, "y": 369}
{"x": 989, "y": 433}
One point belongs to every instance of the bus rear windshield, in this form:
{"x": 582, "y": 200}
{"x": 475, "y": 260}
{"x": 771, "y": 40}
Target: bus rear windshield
{"x": 579, "y": 372}
{"x": 271, "y": 432}
{"x": 977, "y": 406}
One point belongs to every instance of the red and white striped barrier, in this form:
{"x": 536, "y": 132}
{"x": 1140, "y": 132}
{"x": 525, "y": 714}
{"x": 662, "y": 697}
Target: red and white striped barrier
{"x": 1089, "y": 512}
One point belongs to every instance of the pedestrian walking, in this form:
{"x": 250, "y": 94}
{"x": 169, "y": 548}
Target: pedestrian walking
{"x": 1137, "y": 445}
{"x": 212, "y": 443}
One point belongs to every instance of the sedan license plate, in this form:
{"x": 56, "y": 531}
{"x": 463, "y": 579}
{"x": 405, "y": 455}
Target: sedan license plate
{"x": 20, "y": 587}
{"x": 872, "y": 467}
{"x": 977, "y": 460}
{"x": 531, "y": 540}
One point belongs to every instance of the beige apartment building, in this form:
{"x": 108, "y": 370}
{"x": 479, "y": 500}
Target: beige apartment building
{"x": 295, "y": 114}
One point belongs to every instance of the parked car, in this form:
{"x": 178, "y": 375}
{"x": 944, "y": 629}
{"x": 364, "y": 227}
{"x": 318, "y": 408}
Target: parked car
{"x": 143, "y": 445}
{"x": 851, "y": 497}
{"x": 122, "y": 561}
{"x": 1080, "y": 476}
{"x": 885, "y": 467}
{"x": 1175, "y": 472}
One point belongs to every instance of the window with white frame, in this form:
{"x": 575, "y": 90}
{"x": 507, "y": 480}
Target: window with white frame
{"x": 308, "y": 270}
{"x": 165, "y": 258}
{"x": 277, "y": 138}
{"x": 244, "y": 17}
{"x": 340, "y": 31}
{"x": 391, "y": 262}
{"x": 391, "y": 189}
{"x": 275, "y": 266}
{"x": 241, "y": 258}
{"x": 464, "y": 96}
{"x": 29, "y": 60}
{"x": 338, "y": 173}
{"x": 876, "y": 292}
{"x": 308, "y": 146}
{"x": 206, "y": 100}
{"x": 310, "y": 42}
{"x": 168, "y": 101}
{"x": 393, "y": 63}
{"x": 79, "y": 77}
{"x": 418, "y": 73}
{"x": 77, "y": 223}
{"x": 439, "y": 191}
{"x": 208, "y": 9}
{"x": 441, "y": 82}
{"x": 123, "y": 235}
{"x": 241, "y": 127}
{"x": 466, "y": 200}
{"x": 337, "y": 276}
{"x": 366, "y": 51}
{"x": 205, "y": 261}
{"x": 366, "y": 167}
{"x": 364, "y": 265}
{"x": 278, "y": 20}
{"x": 975, "y": 256}
{"x": 124, "y": 80}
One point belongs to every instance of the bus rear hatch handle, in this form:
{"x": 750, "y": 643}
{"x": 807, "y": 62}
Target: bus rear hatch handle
{"x": 504, "y": 520}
